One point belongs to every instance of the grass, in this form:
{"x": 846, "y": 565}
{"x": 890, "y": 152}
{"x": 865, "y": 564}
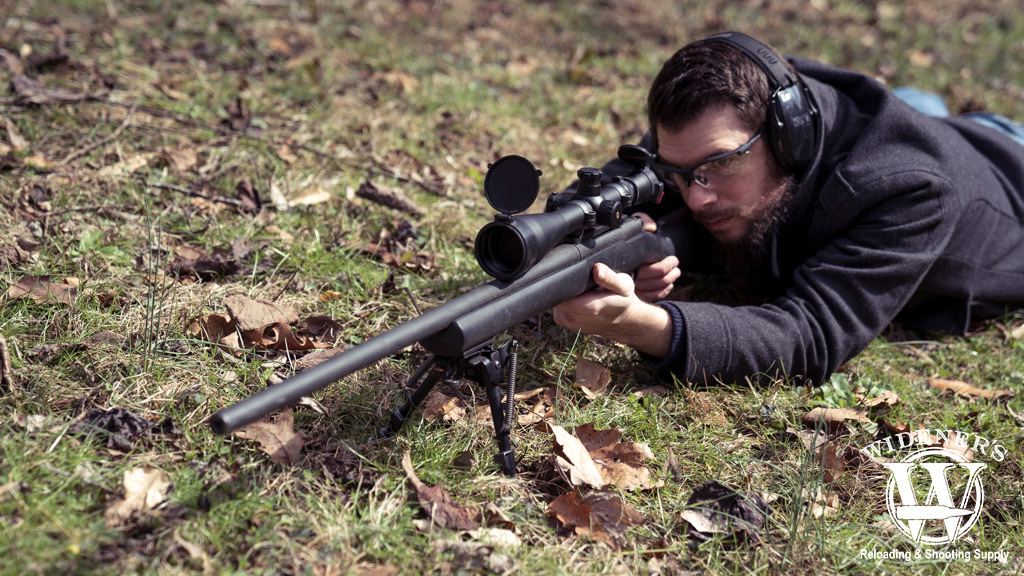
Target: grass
{"x": 418, "y": 97}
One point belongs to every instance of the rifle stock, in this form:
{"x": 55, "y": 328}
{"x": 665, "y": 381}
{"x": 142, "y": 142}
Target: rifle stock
{"x": 475, "y": 317}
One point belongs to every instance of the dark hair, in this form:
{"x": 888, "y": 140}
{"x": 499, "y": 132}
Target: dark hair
{"x": 705, "y": 75}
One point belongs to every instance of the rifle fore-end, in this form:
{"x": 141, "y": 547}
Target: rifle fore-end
{"x": 473, "y": 318}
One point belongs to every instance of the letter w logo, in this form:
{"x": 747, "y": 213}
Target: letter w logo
{"x": 910, "y": 516}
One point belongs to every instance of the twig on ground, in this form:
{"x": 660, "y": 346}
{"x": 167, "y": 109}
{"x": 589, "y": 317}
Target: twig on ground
{"x": 100, "y": 143}
{"x": 187, "y": 192}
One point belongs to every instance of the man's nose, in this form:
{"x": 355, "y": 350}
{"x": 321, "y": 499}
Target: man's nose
{"x": 697, "y": 196}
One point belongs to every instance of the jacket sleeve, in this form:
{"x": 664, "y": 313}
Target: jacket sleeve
{"x": 839, "y": 300}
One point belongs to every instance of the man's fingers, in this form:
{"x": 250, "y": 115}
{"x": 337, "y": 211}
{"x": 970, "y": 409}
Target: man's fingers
{"x": 654, "y": 295}
{"x": 649, "y": 224}
{"x": 665, "y": 267}
{"x": 619, "y": 284}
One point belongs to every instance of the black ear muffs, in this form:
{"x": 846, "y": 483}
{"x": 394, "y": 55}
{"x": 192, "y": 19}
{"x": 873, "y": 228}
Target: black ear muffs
{"x": 790, "y": 122}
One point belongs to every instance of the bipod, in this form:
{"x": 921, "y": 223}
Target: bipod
{"x": 486, "y": 365}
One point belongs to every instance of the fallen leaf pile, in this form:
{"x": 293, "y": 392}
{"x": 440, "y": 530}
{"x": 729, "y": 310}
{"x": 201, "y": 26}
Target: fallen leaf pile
{"x": 597, "y": 459}
{"x": 263, "y": 325}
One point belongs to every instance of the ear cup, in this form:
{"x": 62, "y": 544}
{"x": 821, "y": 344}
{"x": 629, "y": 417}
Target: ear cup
{"x": 791, "y": 127}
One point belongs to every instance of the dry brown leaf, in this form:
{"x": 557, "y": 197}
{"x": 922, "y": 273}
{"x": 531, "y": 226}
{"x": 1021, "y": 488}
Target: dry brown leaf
{"x": 181, "y": 159}
{"x": 573, "y": 459}
{"x": 278, "y": 438}
{"x": 921, "y": 59}
{"x": 602, "y": 516}
{"x": 812, "y": 441}
{"x": 715, "y": 508}
{"x": 31, "y": 90}
{"x": 195, "y": 262}
{"x": 258, "y": 314}
{"x": 543, "y": 407}
{"x": 618, "y": 462}
{"x": 171, "y": 93}
{"x": 284, "y": 152}
{"x": 400, "y": 80}
{"x": 438, "y": 504}
{"x": 409, "y": 259}
{"x": 263, "y": 325}
{"x": 836, "y": 459}
{"x": 144, "y": 489}
{"x": 956, "y": 443}
{"x": 592, "y": 378}
{"x": 127, "y": 166}
{"x": 440, "y": 406}
{"x": 43, "y": 290}
{"x": 887, "y": 399}
{"x": 316, "y": 357}
{"x": 1017, "y": 333}
{"x": 279, "y": 337}
{"x": 249, "y": 197}
{"x": 652, "y": 391}
{"x": 18, "y": 142}
{"x": 969, "y": 391}
{"x": 821, "y": 503}
{"x": 1019, "y": 417}
{"x": 330, "y": 296}
{"x": 371, "y": 569}
{"x": 218, "y": 328}
{"x": 835, "y": 417}
{"x": 311, "y": 196}
{"x": 39, "y": 161}
{"x": 494, "y": 517}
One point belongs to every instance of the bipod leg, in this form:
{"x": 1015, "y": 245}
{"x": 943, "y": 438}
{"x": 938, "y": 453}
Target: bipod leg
{"x": 488, "y": 366}
{"x": 421, "y": 382}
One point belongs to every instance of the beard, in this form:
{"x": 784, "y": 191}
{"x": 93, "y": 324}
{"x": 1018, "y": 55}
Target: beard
{"x": 742, "y": 257}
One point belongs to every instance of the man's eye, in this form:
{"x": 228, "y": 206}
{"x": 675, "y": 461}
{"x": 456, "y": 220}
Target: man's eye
{"x": 724, "y": 163}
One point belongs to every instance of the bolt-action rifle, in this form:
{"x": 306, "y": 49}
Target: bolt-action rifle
{"x": 537, "y": 260}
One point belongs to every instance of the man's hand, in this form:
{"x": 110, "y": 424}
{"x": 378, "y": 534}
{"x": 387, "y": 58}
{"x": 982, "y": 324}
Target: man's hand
{"x": 655, "y": 281}
{"x": 614, "y": 311}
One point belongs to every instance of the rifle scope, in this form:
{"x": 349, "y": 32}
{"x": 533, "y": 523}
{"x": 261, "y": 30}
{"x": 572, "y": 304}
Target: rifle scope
{"x": 508, "y": 247}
